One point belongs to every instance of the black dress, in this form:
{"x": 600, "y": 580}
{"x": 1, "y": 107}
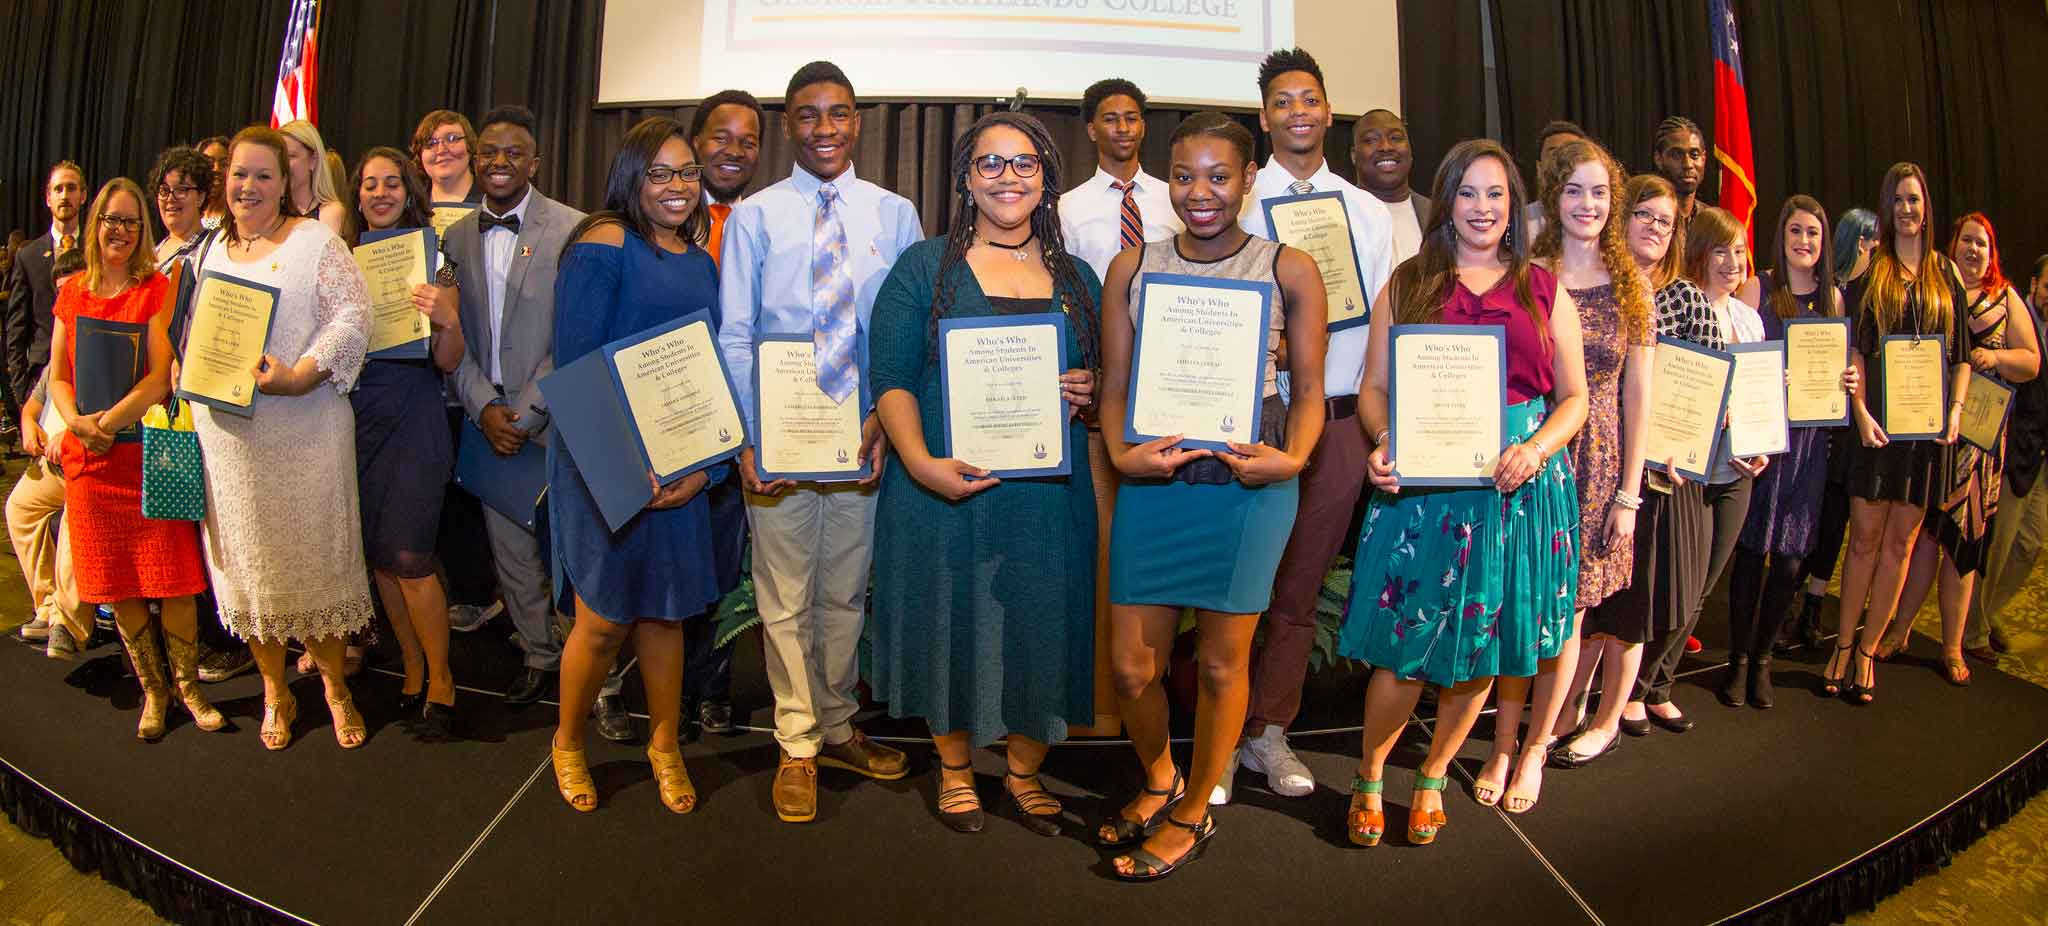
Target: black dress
{"x": 1901, "y": 471}
{"x": 404, "y": 457}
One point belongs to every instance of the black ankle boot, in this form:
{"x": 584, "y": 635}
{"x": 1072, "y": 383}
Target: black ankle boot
{"x": 1736, "y": 687}
{"x": 1760, "y": 682}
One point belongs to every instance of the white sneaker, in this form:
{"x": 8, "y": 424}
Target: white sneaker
{"x": 1285, "y": 774}
{"x": 1220, "y": 795}
{"x": 463, "y": 618}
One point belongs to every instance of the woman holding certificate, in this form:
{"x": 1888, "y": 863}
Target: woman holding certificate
{"x": 1785, "y": 501}
{"x": 1958, "y": 526}
{"x": 1200, "y": 528}
{"x": 119, "y": 557}
{"x": 1457, "y": 586}
{"x": 1583, "y": 242}
{"x": 985, "y": 632}
{"x": 637, "y": 264}
{"x": 287, "y": 292}
{"x": 403, "y": 451}
{"x": 1913, "y": 350}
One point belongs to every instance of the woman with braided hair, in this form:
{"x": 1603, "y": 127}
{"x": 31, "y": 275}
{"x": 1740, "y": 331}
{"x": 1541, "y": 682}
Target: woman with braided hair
{"x": 984, "y": 596}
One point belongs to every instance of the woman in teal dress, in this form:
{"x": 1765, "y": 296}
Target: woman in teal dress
{"x": 1201, "y": 529}
{"x": 984, "y": 595}
{"x": 1457, "y": 586}
{"x": 636, "y": 265}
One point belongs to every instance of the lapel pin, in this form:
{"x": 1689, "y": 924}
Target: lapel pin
{"x": 874, "y": 251}
{"x": 526, "y": 250}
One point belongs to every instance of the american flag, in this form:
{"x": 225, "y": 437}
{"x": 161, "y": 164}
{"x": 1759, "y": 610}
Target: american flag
{"x": 298, "y": 66}
{"x": 1731, "y": 123}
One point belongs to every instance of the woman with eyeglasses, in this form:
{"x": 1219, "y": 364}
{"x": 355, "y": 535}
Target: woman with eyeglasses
{"x": 313, "y": 193}
{"x": 181, "y": 180}
{"x": 1958, "y": 526}
{"x": 441, "y": 145}
{"x": 637, "y": 264}
{"x": 1911, "y": 289}
{"x": 404, "y": 455}
{"x": 1855, "y": 236}
{"x": 291, "y": 463}
{"x": 119, "y": 557}
{"x": 1786, "y": 500}
{"x": 985, "y": 633}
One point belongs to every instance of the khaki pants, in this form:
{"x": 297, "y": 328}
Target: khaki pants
{"x": 35, "y": 526}
{"x": 812, "y": 550}
{"x": 2016, "y": 534}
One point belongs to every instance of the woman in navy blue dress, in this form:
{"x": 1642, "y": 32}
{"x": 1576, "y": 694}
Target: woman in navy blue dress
{"x": 637, "y": 264}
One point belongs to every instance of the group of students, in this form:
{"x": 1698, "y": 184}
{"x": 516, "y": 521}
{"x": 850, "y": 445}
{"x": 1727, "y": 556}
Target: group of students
{"x": 985, "y": 591}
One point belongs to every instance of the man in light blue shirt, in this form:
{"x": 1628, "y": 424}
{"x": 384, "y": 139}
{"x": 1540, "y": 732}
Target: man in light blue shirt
{"x": 813, "y": 543}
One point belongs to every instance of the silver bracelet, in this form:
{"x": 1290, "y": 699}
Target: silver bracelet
{"x": 1625, "y": 500}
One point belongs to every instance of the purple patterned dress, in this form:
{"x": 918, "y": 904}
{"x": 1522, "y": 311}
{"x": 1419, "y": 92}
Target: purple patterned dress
{"x": 1596, "y": 450}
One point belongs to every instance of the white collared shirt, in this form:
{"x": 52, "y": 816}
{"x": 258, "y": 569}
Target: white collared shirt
{"x": 499, "y": 245}
{"x": 1407, "y": 228}
{"x": 1091, "y": 217}
{"x": 57, "y": 239}
{"x": 1372, "y": 237}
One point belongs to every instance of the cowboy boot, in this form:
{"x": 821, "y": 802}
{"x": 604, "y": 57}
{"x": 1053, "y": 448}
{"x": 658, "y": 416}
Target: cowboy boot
{"x": 149, "y": 670}
{"x": 185, "y": 673}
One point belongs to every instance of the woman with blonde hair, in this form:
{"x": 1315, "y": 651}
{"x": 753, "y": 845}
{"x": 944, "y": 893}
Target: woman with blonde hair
{"x": 314, "y": 191}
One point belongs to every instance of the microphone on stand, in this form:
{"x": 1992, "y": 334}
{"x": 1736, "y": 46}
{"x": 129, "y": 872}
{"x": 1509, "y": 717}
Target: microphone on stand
{"x": 1017, "y": 102}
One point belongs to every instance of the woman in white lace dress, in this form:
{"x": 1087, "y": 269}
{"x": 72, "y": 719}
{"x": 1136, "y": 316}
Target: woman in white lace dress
{"x": 283, "y": 541}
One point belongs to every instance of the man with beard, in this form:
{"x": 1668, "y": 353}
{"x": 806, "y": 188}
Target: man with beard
{"x": 1296, "y": 115}
{"x": 32, "y": 290}
{"x": 1678, "y": 152}
{"x": 808, "y": 256}
{"x": 726, "y": 133}
{"x": 1382, "y": 161}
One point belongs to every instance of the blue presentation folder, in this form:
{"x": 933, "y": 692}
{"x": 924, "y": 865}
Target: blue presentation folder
{"x": 510, "y": 485}
{"x": 107, "y": 362}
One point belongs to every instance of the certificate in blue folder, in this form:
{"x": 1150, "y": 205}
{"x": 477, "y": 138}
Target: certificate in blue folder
{"x": 658, "y": 402}
{"x": 510, "y": 485}
{"x": 107, "y": 361}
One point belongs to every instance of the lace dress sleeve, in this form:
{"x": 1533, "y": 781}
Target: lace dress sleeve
{"x": 341, "y": 314}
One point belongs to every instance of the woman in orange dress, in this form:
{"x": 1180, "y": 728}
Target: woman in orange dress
{"x": 119, "y": 557}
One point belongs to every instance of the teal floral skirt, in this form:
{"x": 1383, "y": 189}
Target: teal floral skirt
{"x": 1457, "y": 584}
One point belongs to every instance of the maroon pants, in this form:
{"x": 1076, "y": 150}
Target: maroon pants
{"x": 1330, "y": 487}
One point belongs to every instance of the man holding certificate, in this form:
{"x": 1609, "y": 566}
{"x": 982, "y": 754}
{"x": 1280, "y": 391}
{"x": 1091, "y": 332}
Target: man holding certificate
{"x": 1193, "y": 419}
{"x": 1297, "y": 200}
{"x": 806, "y": 256}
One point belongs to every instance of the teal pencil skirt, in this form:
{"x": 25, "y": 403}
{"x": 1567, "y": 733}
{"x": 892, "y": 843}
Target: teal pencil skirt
{"x": 1213, "y": 547}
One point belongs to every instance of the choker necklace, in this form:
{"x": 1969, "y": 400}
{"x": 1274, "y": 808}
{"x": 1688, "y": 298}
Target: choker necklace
{"x": 1016, "y": 250}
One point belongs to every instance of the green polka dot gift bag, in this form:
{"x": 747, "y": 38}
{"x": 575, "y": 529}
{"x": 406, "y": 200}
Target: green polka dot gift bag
{"x": 173, "y": 477}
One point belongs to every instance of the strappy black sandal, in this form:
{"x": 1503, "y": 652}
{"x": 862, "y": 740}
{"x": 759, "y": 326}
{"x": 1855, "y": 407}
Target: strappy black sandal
{"x": 959, "y": 821}
{"x": 1129, "y": 831}
{"x": 1148, "y": 867}
{"x": 1036, "y": 808}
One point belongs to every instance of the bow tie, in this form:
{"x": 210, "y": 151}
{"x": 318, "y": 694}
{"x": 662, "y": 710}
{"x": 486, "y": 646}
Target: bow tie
{"x": 485, "y": 221}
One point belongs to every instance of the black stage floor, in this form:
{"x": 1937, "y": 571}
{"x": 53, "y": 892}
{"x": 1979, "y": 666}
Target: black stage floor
{"x": 1805, "y": 813}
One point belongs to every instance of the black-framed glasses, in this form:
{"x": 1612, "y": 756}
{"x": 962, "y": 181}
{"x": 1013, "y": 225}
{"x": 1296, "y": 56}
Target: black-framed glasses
{"x": 990, "y": 166}
{"x": 690, "y": 173}
{"x": 166, "y": 191}
{"x": 1652, "y": 219}
{"x": 449, "y": 139}
{"x": 122, "y": 222}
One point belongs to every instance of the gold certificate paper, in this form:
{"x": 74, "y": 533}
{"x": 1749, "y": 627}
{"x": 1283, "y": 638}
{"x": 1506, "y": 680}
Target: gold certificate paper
{"x": 1318, "y": 224}
{"x": 1689, "y": 385}
{"x": 392, "y": 267}
{"x": 678, "y": 397}
{"x": 1004, "y": 412}
{"x": 447, "y": 214}
{"x": 804, "y": 434}
{"x": 1915, "y": 387}
{"x": 1756, "y": 401}
{"x": 1985, "y": 408}
{"x": 1448, "y": 390}
{"x": 1199, "y": 368}
{"x": 1815, "y": 356}
{"x": 224, "y": 341}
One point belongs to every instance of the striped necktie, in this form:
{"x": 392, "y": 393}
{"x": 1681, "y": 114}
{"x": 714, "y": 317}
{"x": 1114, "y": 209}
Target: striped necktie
{"x": 1130, "y": 223}
{"x": 833, "y": 325}
{"x": 1300, "y": 187}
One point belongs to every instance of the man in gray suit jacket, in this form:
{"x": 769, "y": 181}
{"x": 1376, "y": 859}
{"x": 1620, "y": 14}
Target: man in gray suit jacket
{"x": 505, "y": 256}
{"x": 1382, "y": 161}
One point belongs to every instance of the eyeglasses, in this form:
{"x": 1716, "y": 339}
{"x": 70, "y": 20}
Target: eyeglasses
{"x": 990, "y": 166}
{"x": 451, "y": 139}
{"x": 121, "y": 222}
{"x": 1646, "y": 217}
{"x": 690, "y": 173}
{"x": 166, "y": 191}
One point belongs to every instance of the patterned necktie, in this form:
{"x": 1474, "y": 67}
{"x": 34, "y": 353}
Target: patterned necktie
{"x": 833, "y": 325}
{"x": 1299, "y": 187}
{"x": 1130, "y": 223}
{"x": 66, "y": 243}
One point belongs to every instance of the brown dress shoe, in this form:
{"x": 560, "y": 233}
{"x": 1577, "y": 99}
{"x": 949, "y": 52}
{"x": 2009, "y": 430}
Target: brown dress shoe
{"x": 796, "y": 789}
{"x": 863, "y": 756}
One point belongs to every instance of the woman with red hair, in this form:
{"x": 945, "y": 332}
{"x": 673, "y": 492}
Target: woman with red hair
{"x": 1957, "y": 529}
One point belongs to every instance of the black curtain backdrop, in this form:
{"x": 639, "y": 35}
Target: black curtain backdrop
{"x": 1839, "y": 89}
